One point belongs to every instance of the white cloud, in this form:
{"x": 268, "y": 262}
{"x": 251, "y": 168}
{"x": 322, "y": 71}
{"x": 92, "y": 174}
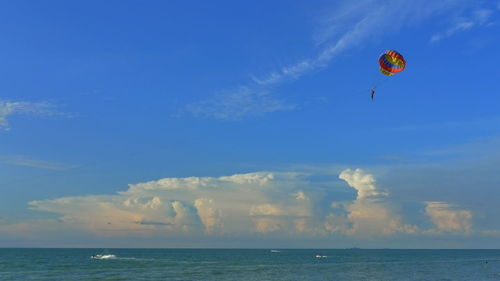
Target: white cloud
{"x": 20, "y": 160}
{"x": 261, "y": 203}
{"x": 300, "y": 195}
{"x": 369, "y": 214}
{"x": 238, "y": 104}
{"x": 266, "y": 210}
{"x": 460, "y": 26}
{"x": 349, "y": 24}
{"x": 8, "y": 109}
{"x": 479, "y": 17}
{"x": 338, "y": 224}
{"x": 482, "y": 15}
{"x": 364, "y": 183}
{"x": 448, "y": 219}
{"x": 353, "y": 22}
{"x": 252, "y": 178}
{"x": 210, "y": 216}
{"x": 226, "y": 205}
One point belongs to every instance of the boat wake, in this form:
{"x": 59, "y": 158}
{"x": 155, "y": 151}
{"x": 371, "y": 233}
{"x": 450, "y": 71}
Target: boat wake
{"x": 103, "y": 257}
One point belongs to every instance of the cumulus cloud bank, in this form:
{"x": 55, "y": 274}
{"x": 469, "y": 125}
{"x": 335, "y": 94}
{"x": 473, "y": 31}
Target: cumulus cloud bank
{"x": 447, "y": 218}
{"x": 226, "y": 205}
{"x": 261, "y": 203}
{"x": 368, "y": 215}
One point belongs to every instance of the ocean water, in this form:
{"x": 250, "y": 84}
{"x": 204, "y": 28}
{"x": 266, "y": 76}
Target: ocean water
{"x": 245, "y": 264}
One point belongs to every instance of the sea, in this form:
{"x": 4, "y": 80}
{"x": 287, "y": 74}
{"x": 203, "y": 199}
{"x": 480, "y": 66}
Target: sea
{"x": 248, "y": 264}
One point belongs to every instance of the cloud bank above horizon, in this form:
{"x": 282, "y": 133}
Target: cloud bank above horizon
{"x": 260, "y": 203}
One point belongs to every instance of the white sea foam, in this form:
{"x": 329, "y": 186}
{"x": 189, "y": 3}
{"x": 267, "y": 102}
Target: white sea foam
{"x": 103, "y": 257}
{"x": 320, "y": 256}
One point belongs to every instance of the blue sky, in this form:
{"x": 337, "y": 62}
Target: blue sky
{"x": 233, "y": 124}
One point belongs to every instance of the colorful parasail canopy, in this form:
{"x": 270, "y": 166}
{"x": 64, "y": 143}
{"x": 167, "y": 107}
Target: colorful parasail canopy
{"x": 391, "y": 62}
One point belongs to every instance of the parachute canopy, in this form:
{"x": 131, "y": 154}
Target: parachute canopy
{"x": 391, "y": 62}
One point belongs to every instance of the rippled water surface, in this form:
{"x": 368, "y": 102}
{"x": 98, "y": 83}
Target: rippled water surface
{"x": 244, "y": 264}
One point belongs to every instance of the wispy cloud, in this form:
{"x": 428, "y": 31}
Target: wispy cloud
{"x": 20, "y": 160}
{"x": 352, "y": 23}
{"x": 478, "y": 17}
{"x": 8, "y": 109}
{"x": 348, "y": 25}
{"x": 237, "y": 104}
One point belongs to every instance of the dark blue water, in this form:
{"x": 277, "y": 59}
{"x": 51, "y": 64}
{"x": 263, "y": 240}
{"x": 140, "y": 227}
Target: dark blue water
{"x": 220, "y": 265}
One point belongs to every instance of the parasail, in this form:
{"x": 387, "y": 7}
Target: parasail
{"x": 391, "y": 62}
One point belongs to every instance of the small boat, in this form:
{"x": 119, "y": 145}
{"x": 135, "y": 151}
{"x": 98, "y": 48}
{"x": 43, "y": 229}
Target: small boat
{"x": 320, "y": 256}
